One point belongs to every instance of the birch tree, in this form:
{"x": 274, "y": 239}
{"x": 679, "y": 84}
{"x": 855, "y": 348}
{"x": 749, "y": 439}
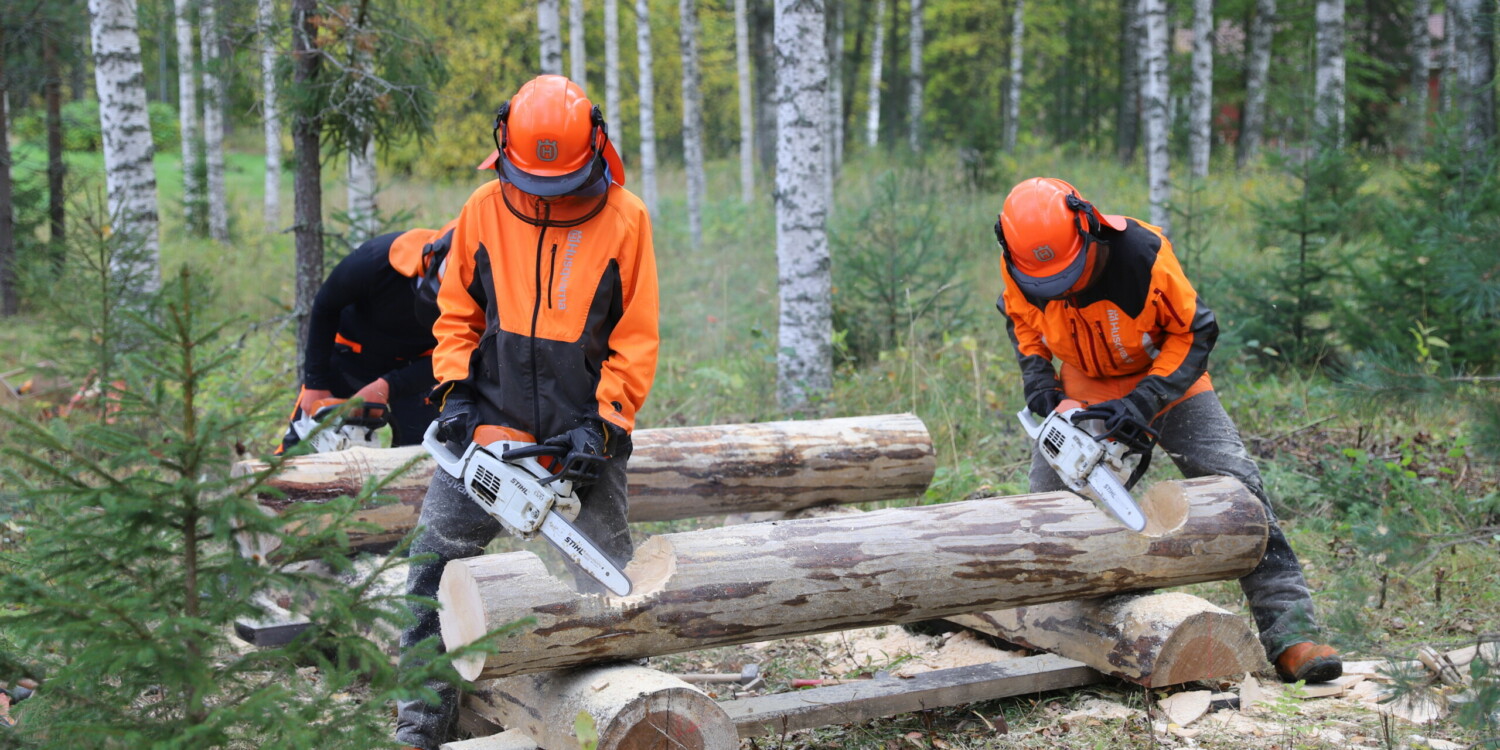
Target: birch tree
{"x": 877, "y": 52}
{"x": 692, "y": 118}
{"x": 577, "y": 58}
{"x": 1013, "y": 82}
{"x": 129, "y": 176}
{"x": 361, "y": 174}
{"x": 834, "y": 15}
{"x": 270, "y": 119}
{"x": 549, "y": 35}
{"x": 1258, "y": 62}
{"x": 747, "y": 127}
{"x": 805, "y": 336}
{"x": 612, "y": 64}
{"x": 213, "y": 121}
{"x": 1474, "y": 46}
{"x": 1128, "y": 113}
{"x": 1328, "y": 71}
{"x": 1421, "y": 52}
{"x": 1154, "y": 101}
{"x": 914, "y": 70}
{"x": 647, "y": 94}
{"x": 194, "y": 204}
{"x": 1200, "y": 118}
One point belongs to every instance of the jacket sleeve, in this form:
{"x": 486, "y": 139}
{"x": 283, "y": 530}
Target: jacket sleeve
{"x": 461, "y": 306}
{"x": 340, "y": 290}
{"x": 1032, "y": 354}
{"x": 412, "y": 378}
{"x": 1189, "y": 331}
{"x": 626, "y": 375}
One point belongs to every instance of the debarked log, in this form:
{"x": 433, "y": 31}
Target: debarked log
{"x": 1154, "y": 639}
{"x": 754, "y": 582}
{"x": 674, "y": 472}
{"x": 633, "y": 707}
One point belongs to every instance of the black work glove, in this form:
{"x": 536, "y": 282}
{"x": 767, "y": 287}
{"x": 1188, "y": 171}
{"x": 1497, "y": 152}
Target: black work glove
{"x": 1125, "y": 419}
{"x": 1043, "y": 402}
{"x": 459, "y": 418}
{"x": 587, "y": 446}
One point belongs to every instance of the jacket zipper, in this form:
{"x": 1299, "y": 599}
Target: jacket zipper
{"x": 1099, "y": 328}
{"x": 551, "y": 269}
{"x": 536, "y": 311}
{"x": 1170, "y": 309}
{"x": 1078, "y": 345}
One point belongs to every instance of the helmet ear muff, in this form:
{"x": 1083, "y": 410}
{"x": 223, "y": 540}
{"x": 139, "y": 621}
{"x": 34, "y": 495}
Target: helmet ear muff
{"x": 1083, "y": 208}
{"x": 501, "y": 134}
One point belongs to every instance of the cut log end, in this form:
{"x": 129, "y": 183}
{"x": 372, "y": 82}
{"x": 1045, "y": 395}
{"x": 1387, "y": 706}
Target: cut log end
{"x": 464, "y": 624}
{"x": 669, "y": 718}
{"x": 1165, "y": 505}
{"x": 649, "y": 570}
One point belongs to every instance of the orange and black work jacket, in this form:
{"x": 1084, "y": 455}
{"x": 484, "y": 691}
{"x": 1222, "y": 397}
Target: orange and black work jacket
{"x": 365, "y": 321}
{"x": 1140, "y": 331}
{"x": 549, "y": 310}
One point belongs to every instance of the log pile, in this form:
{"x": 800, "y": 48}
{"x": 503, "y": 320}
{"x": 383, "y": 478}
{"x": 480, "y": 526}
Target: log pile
{"x": 755, "y": 582}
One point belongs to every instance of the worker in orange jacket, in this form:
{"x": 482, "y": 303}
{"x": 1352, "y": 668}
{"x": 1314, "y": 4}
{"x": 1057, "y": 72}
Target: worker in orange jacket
{"x": 548, "y": 330}
{"x": 370, "y": 331}
{"x": 1106, "y": 297}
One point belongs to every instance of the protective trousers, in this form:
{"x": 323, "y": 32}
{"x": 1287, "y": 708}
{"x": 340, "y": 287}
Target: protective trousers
{"x": 452, "y": 527}
{"x": 1201, "y": 439}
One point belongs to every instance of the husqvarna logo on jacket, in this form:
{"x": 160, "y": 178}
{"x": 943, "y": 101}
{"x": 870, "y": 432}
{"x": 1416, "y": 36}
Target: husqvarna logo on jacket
{"x": 546, "y": 150}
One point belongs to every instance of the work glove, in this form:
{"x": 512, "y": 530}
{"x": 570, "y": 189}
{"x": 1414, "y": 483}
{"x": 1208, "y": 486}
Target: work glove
{"x": 459, "y": 418}
{"x": 587, "y": 450}
{"x": 1125, "y": 420}
{"x": 1044, "y": 401}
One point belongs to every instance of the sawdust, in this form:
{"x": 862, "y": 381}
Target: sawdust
{"x": 1099, "y": 708}
{"x": 904, "y": 654}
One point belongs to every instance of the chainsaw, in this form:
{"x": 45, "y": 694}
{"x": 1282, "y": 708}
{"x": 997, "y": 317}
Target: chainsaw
{"x": 325, "y": 430}
{"x": 1099, "y": 466}
{"x": 505, "y": 478}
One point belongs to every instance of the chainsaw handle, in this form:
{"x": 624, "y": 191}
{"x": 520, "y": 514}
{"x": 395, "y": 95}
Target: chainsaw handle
{"x": 1028, "y": 422}
{"x": 440, "y": 453}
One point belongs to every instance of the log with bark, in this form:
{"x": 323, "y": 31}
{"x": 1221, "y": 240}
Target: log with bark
{"x": 632, "y": 707}
{"x": 1153, "y": 639}
{"x": 674, "y": 473}
{"x": 754, "y": 582}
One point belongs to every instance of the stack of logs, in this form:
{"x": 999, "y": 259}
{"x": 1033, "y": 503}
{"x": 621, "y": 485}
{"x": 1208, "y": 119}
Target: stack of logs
{"x": 1046, "y": 570}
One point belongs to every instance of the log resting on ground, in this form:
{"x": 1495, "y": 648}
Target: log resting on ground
{"x": 674, "y": 473}
{"x": 633, "y": 707}
{"x": 1153, "y": 639}
{"x": 755, "y": 582}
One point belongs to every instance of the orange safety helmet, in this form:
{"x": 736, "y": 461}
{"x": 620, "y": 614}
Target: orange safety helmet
{"x": 1046, "y": 230}
{"x": 548, "y": 138}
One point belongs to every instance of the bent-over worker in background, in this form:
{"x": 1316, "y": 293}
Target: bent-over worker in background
{"x": 370, "y": 333}
{"x": 1105, "y": 295}
{"x": 548, "y": 331}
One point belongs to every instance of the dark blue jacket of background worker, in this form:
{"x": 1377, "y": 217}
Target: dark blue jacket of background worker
{"x": 370, "y": 333}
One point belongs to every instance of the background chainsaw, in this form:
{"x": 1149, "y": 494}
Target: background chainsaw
{"x": 506, "y": 480}
{"x": 356, "y": 428}
{"x": 1096, "y": 466}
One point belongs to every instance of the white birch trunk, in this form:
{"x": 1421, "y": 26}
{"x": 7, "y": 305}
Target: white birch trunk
{"x": 193, "y": 201}
{"x": 747, "y": 126}
{"x": 835, "y": 17}
{"x": 549, "y": 35}
{"x": 1421, "y": 53}
{"x": 1474, "y": 40}
{"x": 270, "y": 117}
{"x": 1154, "y": 101}
{"x": 129, "y": 176}
{"x": 362, "y": 177}
{"x": 1013, "y": 83}
{"x": 1328, "y": 72}
{"x": 1253, "y": 123}
{"x": 213, "y": 122}
{"x": 805, "y": 339}
{"x": 577, "y": 57}
{"x": 1200, "y": 115}
{"x": 612, "y": 67}
{"x": 914, "y": 100}
{"x": 877, "y": 56}
{"x": 692, "y": 119}
{"x": 647, "y": 95}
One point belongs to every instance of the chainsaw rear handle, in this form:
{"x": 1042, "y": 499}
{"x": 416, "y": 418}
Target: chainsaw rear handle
{"x": 445, "y": 459}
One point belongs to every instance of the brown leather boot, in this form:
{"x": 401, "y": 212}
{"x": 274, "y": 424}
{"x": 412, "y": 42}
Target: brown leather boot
{"x": 1309, "y": 662}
